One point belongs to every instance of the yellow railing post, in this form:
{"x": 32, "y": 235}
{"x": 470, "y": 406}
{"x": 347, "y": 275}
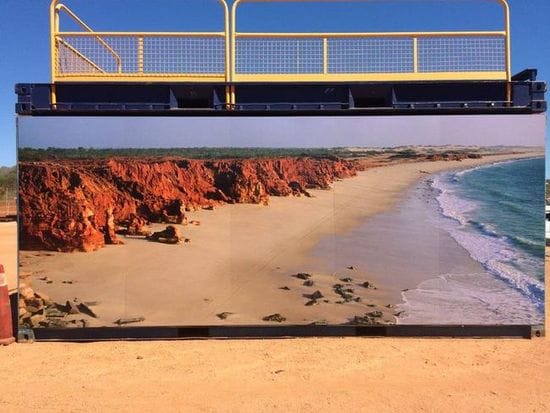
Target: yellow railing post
{"x": 508, "y": 48}
{"x": 228, "y": 95}
{"x": 54, "y": 49}
{"x": 415, "y": 54}
{"x": 140, "y": 54}
{"x": 325, "y": 55}
{"x": 233, "y": 51}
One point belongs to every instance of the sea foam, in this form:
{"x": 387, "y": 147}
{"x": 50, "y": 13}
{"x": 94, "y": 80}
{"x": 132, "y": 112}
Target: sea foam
{"x": 495, "y": 252}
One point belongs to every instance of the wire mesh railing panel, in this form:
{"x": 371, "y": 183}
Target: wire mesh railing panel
{"x": 333, "y": 54}
{"x": 370, "y": 55}
{"x": 198, "y": 55}
{"x": 329, "y": 54}
{"x": 70, "y": 60}
{"x": 100, "y": 59}
{"x": 141, "y": 55}
{"x": 462, "y": 54}
{"x": 278, "y": 56}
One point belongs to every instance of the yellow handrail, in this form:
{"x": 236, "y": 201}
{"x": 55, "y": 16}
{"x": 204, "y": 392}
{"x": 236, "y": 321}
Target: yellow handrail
{"x": 234, "y": 34}
{"x": 416, "y": 71}
{"x": 145, "y": 34}
{"x": 61, "y": 7}
{"x": 375, "y": 34}
{"x": 123, "y": 74}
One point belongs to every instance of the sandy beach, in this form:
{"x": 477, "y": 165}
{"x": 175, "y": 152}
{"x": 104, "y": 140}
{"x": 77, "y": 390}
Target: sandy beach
{"x": 240, "y": 259}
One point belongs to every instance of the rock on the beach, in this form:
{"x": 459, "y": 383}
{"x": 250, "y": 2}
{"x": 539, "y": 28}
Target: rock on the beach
{"x": 303, "y": 276}
{"x": 367, "y": 284}
{"x": 170, "y": 235}
{"x": 274, "y": 317}
{"x": 55, "y": 313}
{"x": 123, "y": 321}
{"x": 54, "y": 323}
{"x": 345, "y": 293}
{"x": 34, "y": 307}
{"x": 109, "y": 230}
{"x": 85, "y": 309}
{"x": 315, "y": 295}
{"x": 376, "y": 314}
{"x": 308, "y": 283}
{"x": 41, "y": 296}
{"x": 38, "y": 310}
{"x": 319, "y": 323}
{"x": 224, "y": 315}
{"x": 363, "y": 320}
{"x": 26, "y": 293}
{"x": 36, "y": 319}
{"x": 72, "y": 308}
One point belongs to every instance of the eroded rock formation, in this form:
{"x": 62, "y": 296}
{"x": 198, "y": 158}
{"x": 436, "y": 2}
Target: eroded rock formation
{"x": 76, "y": 205}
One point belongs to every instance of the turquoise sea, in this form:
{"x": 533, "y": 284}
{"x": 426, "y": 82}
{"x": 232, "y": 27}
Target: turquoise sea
{"x": 498, "y": 214}
{"x": 462, "y": 247}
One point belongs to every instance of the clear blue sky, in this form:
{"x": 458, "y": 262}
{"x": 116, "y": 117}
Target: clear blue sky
{"x": 329, "y": 131}
{"x": 24, "y": 31}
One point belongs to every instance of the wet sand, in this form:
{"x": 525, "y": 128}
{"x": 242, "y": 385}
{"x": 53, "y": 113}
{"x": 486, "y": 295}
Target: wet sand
{"x": 402, "y": 244}
{"x": 238, "y": 259}
{"x": 439, "y": 282}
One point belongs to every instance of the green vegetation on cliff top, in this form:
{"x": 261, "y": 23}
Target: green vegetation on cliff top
{"x": 30, "y": 154}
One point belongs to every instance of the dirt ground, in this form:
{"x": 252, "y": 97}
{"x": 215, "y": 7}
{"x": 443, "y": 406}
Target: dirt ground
{"x": 355, "y": 374}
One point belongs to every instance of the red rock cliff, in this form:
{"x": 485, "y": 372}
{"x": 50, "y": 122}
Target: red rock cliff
{"x": 71, "y": 205}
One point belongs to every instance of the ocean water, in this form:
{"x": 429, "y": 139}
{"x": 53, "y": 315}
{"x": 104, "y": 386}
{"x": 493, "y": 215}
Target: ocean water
{"x": 496, "y": 213}
{"x": 461, "y": 247}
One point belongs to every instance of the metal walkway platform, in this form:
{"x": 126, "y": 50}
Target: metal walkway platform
{"x": 231, "y": 70}
{"x": 359, "y": 98}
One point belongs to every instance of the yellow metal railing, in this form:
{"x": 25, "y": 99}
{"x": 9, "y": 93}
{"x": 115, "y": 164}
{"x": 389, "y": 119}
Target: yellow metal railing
{"x": 232, "y": 56}
{"x": 89, "y": 55}
{"x": 385, "y": 56}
